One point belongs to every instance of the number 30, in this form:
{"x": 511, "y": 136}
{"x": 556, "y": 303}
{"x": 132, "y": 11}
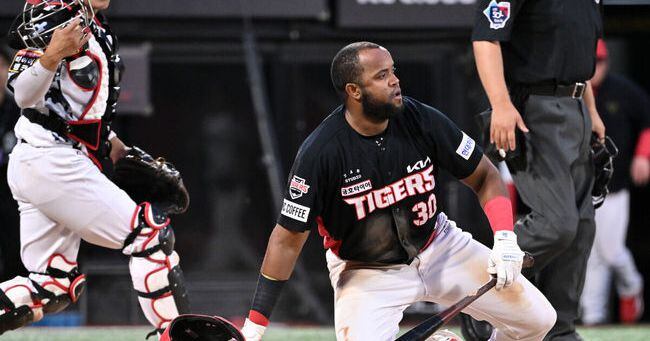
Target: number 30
{"x": 424, "y": 210}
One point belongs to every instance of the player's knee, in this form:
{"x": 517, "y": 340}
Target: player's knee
{"x": 60, "y": 285}
{"x": 540, "y": 324}
{"x": 19, "y": 305}
{"x": 25, "y": 300}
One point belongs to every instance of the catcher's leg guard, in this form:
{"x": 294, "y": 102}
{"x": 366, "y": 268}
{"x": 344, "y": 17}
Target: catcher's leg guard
{"x": 19, "y": 305}
{"x": 155, "y": 272}
{"x": 60, "y": 284}
{"x": 25, "y": 300}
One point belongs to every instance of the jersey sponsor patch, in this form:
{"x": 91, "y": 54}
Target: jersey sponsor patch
{"x": 297, "y": 187}
{"x": 295, "y": 211}
{"x": 466, "y": 147}
{"x": 497, "y": 14}
{"x": 418, "y": 165}
{"x": 356, "y": 188}
{"x": 23, "y": 60}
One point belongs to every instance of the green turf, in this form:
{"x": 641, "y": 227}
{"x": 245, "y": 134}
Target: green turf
{"x": 275, "y": 333}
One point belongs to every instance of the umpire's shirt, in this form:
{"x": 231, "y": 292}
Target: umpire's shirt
{"x": 373, "y": 198}
{"x": 534, "y": 41}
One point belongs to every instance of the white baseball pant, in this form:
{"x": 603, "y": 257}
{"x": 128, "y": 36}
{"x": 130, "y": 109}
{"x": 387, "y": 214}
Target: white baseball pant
{"x": 369, "y": 300}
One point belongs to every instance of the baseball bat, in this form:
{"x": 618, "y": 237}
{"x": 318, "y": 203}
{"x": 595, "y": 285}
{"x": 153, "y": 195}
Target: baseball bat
{"x": 433, "y": 323}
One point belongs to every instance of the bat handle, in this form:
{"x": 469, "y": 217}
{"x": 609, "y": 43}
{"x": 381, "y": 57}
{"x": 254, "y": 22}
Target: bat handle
{"x": 528, "y": 262}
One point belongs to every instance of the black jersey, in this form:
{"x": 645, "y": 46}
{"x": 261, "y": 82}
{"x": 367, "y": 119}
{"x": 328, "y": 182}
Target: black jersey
{"x": 373, "y": 198}
{"x": 542, "y": 41}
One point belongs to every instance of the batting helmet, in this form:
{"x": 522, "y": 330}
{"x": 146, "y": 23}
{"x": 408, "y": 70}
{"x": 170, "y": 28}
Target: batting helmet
{"x": 33, "y": 28}
{"x": 201, "y": 328}
{"x": 603, "y": 154}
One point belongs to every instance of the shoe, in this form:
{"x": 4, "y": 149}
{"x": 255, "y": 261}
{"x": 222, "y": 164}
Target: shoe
{"x": 474, "y": 330}
{"x": 444, "y": 335}
{"x": 630, "y": 308}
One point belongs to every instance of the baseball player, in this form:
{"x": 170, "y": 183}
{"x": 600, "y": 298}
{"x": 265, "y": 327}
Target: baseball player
{"x": 66, "y": 81}
{"x": 366, "y": 180}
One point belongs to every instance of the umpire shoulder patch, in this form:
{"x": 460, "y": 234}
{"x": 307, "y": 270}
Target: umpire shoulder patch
{"x": 497, "y": 14}
{"x": 295, "y": 211}
{"x": 466, "y": 147}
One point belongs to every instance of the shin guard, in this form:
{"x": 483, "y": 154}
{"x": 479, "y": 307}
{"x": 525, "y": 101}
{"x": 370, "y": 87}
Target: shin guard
{"x": 154, "y": 267}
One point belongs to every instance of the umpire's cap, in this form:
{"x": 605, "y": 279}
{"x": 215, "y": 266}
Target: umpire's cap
{"x": 201, "y": 328}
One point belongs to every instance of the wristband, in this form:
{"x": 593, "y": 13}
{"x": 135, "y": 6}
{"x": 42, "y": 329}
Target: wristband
{"x": 499, "y": 213}
{"x": 266, "y": 294}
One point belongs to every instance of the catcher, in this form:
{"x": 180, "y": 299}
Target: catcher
{"x": 65, "y": 78}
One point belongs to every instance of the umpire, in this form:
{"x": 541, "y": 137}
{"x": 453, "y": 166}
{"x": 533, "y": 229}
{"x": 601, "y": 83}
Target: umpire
{"x": 534, "y": 59}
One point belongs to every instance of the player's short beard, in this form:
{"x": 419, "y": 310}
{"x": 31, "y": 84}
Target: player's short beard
{"x": 378, "y": 111}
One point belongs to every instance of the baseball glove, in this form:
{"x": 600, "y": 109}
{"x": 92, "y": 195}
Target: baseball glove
{"x": 154, "y": 180}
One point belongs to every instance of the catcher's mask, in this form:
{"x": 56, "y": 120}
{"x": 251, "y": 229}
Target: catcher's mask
{"x": 603, "y": 155}
{"x": 201, "y": 328}
{"x": 33, "y": 28}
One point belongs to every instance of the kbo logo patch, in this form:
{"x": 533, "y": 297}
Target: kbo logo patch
{"x": 497, "y": 13}
{"x": 297, "y": 187}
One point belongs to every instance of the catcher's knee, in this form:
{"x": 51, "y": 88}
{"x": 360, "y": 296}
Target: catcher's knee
{"x": 25, "y": 300}
{"x": 19, "y": 305}
{"x": 155, "y": 270}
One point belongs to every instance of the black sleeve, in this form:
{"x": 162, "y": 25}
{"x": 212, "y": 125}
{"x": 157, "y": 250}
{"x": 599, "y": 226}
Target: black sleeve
{"x": 640, "y": 106}
{"x": 302, "y": 203}
{"x": 494, "y": 20}
{"x": 455, "y": 151}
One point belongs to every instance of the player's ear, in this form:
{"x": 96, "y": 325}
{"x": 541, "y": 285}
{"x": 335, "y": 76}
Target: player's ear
{"x": 353, "y": 91}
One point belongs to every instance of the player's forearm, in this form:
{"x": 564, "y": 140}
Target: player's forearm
{"x": 281, "y": 255}
{"x": 589, "y": 99}
{"x": 118, "y": 148}
{"x": 489, "y": 63}
{"x": 492, "y": 194}
{"x": 31, "y": 85}
{"x": 282, "y": 252}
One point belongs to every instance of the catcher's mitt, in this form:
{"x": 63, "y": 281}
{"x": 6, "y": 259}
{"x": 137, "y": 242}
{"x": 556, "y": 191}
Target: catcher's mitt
{"x": 154, "y": 180}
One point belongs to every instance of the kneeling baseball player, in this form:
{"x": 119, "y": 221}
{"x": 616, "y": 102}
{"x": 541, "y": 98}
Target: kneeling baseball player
{"x": 66, "y": 80}
{"x": 366, "y": 179}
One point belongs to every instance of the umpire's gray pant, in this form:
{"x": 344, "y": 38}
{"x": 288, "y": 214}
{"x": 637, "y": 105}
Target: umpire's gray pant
{"x": 556, "y": 184}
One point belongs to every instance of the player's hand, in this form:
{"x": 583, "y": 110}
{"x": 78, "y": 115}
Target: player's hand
{"x": 640, "y": 170}
{"x": 252, "y": 331}
{"x": 502, "y": 126}
{"x": 65, "y": 42}
{"x": 506, "y": 259}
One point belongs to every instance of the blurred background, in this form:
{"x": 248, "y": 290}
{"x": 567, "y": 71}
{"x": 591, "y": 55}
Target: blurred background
{"x": 228, "y": 89}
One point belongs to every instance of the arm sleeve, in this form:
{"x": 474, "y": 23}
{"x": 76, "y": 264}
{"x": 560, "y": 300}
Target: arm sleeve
{"x": 28, "y": 79}
{"x": 301, "y": 203}
{"x": 455, "y": 151}
{"x": 494, "y": 20}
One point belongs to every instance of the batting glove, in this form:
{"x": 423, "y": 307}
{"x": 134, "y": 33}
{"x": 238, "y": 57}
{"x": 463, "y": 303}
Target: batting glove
{"x": 252, "y": 331}
{"x": 506, "y": 258}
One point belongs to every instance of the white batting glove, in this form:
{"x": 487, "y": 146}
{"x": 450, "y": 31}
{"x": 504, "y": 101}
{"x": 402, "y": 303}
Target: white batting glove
{"x": 252, "y": 331}
{"x": 506, "y": 258}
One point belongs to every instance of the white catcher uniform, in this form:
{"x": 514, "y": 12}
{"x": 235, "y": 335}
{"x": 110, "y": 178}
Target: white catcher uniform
{"x": 63, "y": 196}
